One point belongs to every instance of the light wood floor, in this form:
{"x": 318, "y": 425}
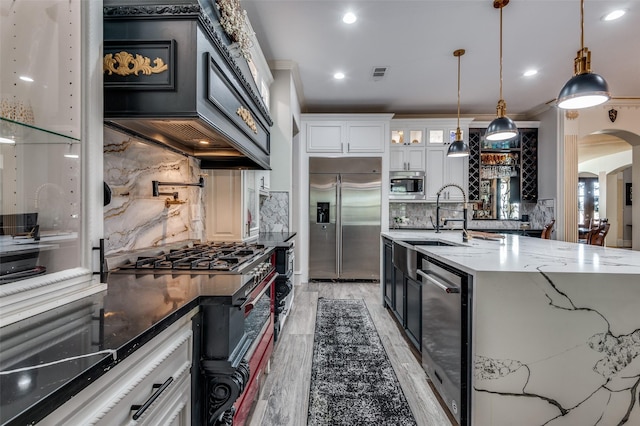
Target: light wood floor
{"x": 284, "y": 397}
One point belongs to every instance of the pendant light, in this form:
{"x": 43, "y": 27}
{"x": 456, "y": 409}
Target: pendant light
{"x": 458, "y": 148}
{"x": 585, "y": 89}
{"x": 502, "y": 127}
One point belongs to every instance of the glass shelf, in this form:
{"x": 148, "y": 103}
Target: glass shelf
{"x": 12, "y": 131}
{"x": 40, "y": 201}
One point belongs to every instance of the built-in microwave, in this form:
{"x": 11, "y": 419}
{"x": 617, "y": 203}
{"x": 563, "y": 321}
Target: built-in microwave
{"x": 407, "y": 185}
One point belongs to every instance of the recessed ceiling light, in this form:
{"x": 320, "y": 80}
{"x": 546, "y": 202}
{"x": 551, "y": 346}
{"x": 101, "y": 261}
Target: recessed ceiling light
{"x": 349, "y": 18}
{"x": 338, "y": 76}
{"x": 25, "y": 78}
{"x": 614, "y": 15}
{"x": 529, "y": 73}
{"x": 204, "y": 142}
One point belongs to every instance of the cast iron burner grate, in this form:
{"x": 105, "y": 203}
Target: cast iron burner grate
{"x": 208, "y": 256}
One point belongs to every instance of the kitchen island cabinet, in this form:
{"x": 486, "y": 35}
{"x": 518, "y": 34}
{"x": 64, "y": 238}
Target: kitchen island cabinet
{"x": 554, "y": 329}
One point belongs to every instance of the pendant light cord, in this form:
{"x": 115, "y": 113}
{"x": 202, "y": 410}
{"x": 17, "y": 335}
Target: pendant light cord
{"x": 459, "y": 92}
{"x": 500, "y": 52}
{"x": 582, "y": 25}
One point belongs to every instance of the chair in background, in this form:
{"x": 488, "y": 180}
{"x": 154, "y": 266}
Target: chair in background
{"x": 597, "y": 237}
{"x": 546, "y": 231}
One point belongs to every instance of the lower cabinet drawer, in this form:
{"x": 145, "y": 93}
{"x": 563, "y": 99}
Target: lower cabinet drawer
{"x": 175, "y": 407}
{"x": 142, "y": 386}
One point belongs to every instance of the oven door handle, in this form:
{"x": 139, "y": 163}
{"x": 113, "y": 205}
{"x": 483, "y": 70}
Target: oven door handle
{"x": 249, "y": 305}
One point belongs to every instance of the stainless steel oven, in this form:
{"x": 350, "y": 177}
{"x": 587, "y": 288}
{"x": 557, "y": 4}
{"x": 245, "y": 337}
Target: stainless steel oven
{"x": 285, "y": 257}
{"x": 446, "y": 334}
{"x": 407, "y": 185}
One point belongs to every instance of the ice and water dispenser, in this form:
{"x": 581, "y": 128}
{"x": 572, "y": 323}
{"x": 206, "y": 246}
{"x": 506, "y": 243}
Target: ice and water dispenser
{"x": 322, "y": 212}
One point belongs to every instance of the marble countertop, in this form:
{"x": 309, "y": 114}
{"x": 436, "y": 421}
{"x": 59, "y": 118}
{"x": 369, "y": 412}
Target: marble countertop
{"x": 516, "y": 253}
{"x": 48, "y": 358}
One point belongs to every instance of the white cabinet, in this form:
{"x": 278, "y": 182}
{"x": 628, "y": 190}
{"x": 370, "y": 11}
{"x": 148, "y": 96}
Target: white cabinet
{"x": 442, "y": 170}
{"x": 250, "y": 204}
{"x": 422, "y": 144}
{"x": 407, "y": 150}
{"x": 325, "y": 136}
{"x": 406, "y": 158}
{"x": 231, "y": 202}
{"x": 366, "y": 136}
{"x": 263, "y": 181}
{"x": 51, "y": 172}
{"x": 345, "y": 134}
{"x": 156, "y": 375}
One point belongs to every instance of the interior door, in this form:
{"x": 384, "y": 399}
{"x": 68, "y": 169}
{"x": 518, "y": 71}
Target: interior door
{"x": 323, "y": 254}
{"x": 360, "y": 220}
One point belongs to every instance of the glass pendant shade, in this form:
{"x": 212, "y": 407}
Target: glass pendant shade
{"x": 583, "y": 91}
{"x": 501, "y": 128}
{"x": 458, "y": 149}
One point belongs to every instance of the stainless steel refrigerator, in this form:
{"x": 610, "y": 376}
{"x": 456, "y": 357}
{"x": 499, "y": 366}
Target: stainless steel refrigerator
{"x": 344, "y": 218}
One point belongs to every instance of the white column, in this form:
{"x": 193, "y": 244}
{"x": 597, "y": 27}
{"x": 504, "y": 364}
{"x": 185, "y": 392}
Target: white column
{"x": 570, "y": 184}
{"x": 635, "y": 208}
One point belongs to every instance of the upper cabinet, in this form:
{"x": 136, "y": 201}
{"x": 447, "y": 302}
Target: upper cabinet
{"x": 443, "y": 170}
{"x": 263, "y": 180}
{"x": 346, "y": 133}
{"x": 421, "y": 145}
{"x": 232, "y": 203}
{"x": 40, "y": 225}
{"x": 50, "y": 204}
{"x": 407, "y": 149}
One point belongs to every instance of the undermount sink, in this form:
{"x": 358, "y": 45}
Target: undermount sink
{"x": 405, "y": 256}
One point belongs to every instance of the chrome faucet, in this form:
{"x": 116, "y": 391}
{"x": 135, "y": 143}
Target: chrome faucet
{"x": 464, "y": 208}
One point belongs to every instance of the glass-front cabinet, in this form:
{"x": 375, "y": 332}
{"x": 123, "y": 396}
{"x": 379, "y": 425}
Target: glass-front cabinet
{"x": 51, "y": 190}
{"x": 40, "y": 198}
{"x": 407, "y": 149}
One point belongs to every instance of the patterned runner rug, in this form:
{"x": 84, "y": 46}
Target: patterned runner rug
{"x": 352, "y": 381}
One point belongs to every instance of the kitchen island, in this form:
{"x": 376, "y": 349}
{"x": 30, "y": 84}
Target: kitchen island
{"x": 554, "y": 329}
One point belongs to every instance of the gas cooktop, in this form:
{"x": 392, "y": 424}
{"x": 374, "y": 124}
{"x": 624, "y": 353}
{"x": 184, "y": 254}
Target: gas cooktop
{"x": 205, "y": 257}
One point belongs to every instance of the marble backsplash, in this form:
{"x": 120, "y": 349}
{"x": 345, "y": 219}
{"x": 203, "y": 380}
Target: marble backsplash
{"x": 423, "y": 215}
{"x": 135, "y": 218}
{"x": 274, "y": 212}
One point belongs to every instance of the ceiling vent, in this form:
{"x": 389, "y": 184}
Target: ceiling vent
{"x": 379, "y": 72}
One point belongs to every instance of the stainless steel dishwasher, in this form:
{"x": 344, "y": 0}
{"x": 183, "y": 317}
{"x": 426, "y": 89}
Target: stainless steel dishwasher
{"x": 446, "y": 333}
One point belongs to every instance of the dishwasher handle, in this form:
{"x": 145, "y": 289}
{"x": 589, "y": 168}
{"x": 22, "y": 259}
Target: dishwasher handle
{"x": 444, "y": 286}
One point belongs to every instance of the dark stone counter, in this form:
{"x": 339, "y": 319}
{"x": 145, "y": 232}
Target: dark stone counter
{"x": 274, "y": 239}
{"x": 48, "y": 358}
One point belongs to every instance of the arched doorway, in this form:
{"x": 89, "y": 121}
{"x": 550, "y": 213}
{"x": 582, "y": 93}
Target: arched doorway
{"x": 577, "y": 125}
{"x": 604, "y": 167}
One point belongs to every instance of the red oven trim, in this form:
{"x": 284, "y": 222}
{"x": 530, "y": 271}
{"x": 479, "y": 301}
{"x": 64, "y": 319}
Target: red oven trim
{"x": 256, "y": 293}
{"x": 257, "y": 365}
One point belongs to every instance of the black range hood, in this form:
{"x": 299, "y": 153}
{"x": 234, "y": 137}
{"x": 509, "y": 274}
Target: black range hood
{"x": 171, "y": 77}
